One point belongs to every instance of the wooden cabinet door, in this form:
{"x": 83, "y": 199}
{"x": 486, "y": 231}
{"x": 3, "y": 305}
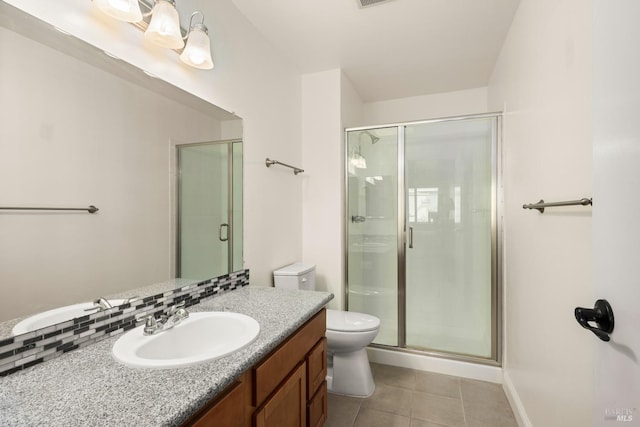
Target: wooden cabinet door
{"x": 316, "y": 367}
{"x": 227, "y": 411}
{"x": 287, "y": 407}
{"x": 280, "y": 363}
{"x": 317, "y": 407}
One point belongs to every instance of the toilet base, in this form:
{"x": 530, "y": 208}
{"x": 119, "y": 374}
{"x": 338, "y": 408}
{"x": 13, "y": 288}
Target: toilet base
{"x": 350, "y": 374}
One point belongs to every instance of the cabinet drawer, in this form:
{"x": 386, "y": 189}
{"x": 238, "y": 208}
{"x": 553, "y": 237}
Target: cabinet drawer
{"x": 316, "y": 367}
{"x": 287, "y": 407}
{"x": 317, "y": 407}
{"x": 285, "y": 358}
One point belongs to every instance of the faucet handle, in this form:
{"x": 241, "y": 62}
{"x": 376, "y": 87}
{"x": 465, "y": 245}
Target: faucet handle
{"x": 178, "y": 312}
{"x": 174, "y": 308}
{"x": 100, "y": 304}
{"x": 103, "y": 302}
{"x": 131, "y": 299}
{"x": 151, "y": 324}
{"x": 148, "y": 318}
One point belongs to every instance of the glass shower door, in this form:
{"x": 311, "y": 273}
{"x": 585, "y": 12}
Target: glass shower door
{"x": 448, "y": 194}
{"x": 372, "y": 227}
{"x": 206, "y": 231}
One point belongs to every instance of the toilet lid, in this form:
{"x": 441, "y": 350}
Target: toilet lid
{"x": 349, "y": 321}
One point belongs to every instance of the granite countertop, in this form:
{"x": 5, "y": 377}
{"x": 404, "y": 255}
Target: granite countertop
{"x": 88, "y": 387}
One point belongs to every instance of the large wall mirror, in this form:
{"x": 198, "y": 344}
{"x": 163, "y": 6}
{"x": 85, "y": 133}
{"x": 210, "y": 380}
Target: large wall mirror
{"x": 80, "y": 128}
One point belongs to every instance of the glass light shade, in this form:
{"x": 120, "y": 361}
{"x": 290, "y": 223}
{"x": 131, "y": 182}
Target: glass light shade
{"x": 197, "y": 52}
{"x": 164, "y": 28}
{"x": 122, "y": 10}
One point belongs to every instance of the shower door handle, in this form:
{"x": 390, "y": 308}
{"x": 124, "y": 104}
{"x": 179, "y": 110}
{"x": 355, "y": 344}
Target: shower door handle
{"x": 410, "y": 237}
{"x": 223, "y": 239}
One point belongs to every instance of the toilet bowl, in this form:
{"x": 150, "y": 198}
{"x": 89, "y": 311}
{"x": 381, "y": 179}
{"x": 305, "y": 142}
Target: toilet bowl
{"x": 348, "y": 334}
{"x": 348, "y": 369}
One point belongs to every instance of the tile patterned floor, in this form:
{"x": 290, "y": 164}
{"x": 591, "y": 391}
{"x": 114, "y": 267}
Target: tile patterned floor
{"x": 410, "y": 398}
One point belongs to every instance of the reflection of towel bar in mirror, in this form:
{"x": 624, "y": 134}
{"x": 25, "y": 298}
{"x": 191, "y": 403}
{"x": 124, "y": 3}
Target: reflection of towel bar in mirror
{"x": 541, "y": 204}
{"x": 270, "y": 162}
{"x": 90, "y": 209}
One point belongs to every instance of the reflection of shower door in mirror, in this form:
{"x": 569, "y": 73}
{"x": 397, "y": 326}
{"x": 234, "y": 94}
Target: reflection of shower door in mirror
{"x": 421, "y": 233}
{"x": 207, "y": 206}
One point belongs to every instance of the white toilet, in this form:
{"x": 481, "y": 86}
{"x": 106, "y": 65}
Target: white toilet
{"x": 348, "y": 333}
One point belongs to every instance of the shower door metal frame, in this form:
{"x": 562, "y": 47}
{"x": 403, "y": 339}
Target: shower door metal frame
{"x": 496, "y": 238}
{"x": 230, "y": 196}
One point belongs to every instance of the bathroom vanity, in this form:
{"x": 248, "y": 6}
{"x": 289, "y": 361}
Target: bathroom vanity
{"x": 277, "y": 380}
{"x": 286, "y": 388}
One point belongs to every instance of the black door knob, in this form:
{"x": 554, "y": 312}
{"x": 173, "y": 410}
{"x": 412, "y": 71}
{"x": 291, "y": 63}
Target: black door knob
{"x": 601, "y": 314}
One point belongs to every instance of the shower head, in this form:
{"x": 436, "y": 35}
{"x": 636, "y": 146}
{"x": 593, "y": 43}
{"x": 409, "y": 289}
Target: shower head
{"x": 374, "y": 138}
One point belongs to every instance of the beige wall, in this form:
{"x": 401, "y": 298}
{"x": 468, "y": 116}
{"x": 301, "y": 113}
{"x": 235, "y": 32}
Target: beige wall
{"x": 543, "y": 81}
{"x": 252, "y": 79}
{"x": 351, "y": 105}
{"x": 322, "y": 189}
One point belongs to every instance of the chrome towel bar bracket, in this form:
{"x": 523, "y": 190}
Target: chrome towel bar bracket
{"x": 270, "y": 162}
{"x": 541, "y": 204}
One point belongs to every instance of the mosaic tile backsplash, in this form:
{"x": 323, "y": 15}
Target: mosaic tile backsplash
{"x": 23, "y": 351}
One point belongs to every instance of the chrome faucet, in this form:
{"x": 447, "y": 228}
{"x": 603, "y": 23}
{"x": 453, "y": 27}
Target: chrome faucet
{"x": 175, "y": 315}
{"x": 100, "y": 304}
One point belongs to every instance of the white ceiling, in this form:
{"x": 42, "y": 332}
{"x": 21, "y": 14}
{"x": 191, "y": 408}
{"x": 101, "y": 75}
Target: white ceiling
{"x": 393, "y": 49}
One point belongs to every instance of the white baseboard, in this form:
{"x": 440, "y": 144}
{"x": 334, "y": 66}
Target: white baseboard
{"x": 514, "y": 400}
{"x": 435, "y": 364}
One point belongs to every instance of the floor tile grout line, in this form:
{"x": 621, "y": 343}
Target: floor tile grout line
{"x": 464, "y": 413}
{"x": 357, "y": 413}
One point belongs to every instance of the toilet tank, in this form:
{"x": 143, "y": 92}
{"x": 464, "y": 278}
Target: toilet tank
{"x": 296, "y": 276}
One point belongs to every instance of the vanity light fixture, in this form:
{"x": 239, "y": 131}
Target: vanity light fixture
{"x": 197, "y": 52}
{"x": 162, "y": 27}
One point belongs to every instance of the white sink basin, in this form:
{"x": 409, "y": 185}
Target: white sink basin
{"x": 57, "y": 315}
{"x": 202, "y": 337}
